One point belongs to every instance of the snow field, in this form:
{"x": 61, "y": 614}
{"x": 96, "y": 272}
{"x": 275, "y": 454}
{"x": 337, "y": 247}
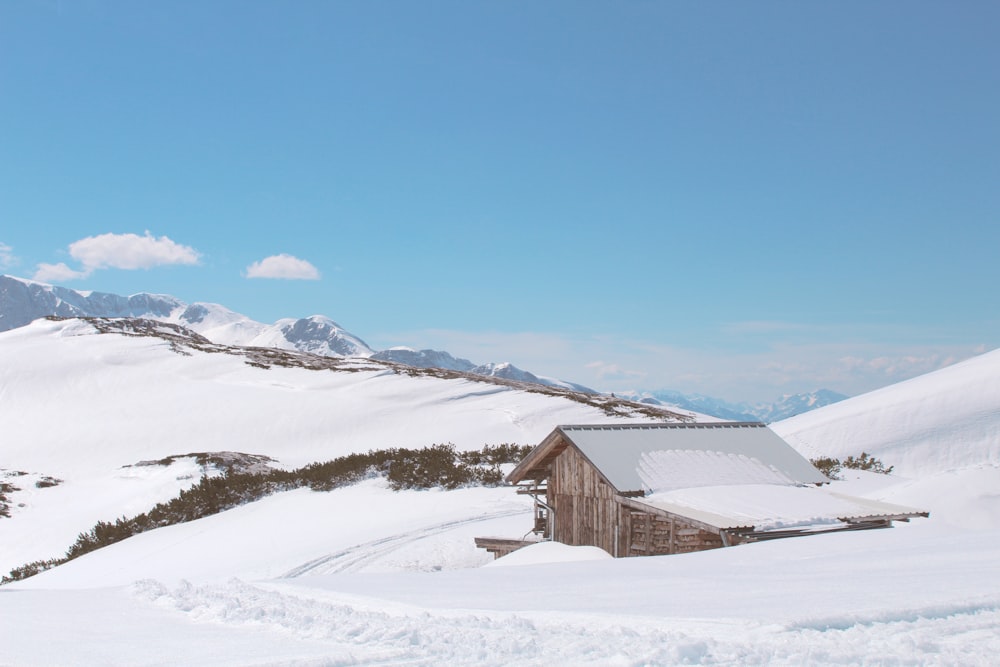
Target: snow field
{"x": 51, "y": 518}
{"x": 921, "y": 593}
{"x": 79, "y": 406}
{"x": 945, "y": 420}
{"x": 365, "y": 576}
{"x": 363, "y": 527}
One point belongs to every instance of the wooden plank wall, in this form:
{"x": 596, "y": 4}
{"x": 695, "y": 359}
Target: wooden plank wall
{"x": 656, "y": 536}
{"x": 587, "y": 512}
{"x": 586, "y": 507}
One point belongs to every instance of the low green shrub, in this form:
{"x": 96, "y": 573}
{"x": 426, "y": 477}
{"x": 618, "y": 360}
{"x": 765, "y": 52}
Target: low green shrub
{"x": 832, "y": 467}
{"x": 436, "y": 466}
{"x": 5, "y": 488}
{"x": 31, "y": 569}
{"x": 828, "y": 466}
{"x": 866, "y": 462}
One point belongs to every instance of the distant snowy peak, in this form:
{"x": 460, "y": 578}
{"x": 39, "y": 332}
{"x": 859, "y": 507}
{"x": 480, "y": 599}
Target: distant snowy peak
{"x": 23, "y": 301}
{"x": 788, "y": 406}
{"x": 218, "y": 323}
{"x": 698, "y": 403}
{"x": 505, "y": 370}
{"x": 795, "y": 404}
{"x": 424, "y": 359}
{"x": 321, "y": 335}
{"x": 509, "y": 371}
{"x": 440, "y": 359}
{"x": 209, "y": 315}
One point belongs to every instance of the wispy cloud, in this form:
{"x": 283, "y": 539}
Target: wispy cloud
{"x": 614, "y": 372}
{"x": 118, "y": 251}
{"x": 54, "y": 273}
{"x": 284, "y": 267}
{"x": 7, "y": 258}
{"x": 900, "y": 366}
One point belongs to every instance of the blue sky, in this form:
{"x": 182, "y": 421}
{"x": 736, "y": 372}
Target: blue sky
{"x": 737, "y": 199}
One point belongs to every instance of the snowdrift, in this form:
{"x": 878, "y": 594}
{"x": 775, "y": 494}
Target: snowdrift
{"x": 941, "y": 421}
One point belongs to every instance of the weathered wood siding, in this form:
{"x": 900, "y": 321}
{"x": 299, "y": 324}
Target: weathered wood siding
{"x": 499, "y": 546}
{"x": 586, "y": 510}
{"x": 651, "y": 535}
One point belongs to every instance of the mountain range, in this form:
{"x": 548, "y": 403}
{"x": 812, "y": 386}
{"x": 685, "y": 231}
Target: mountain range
{"x": 22, "y": 301}
{"x": 787, "y": 406}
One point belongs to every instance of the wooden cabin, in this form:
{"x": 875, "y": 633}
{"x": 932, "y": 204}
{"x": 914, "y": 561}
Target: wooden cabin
{"x": 654, "y": 489}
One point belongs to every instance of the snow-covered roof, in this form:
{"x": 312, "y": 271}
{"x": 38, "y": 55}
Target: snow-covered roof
{"x": 667, "y": 456}
{"x": 767, "y": 507}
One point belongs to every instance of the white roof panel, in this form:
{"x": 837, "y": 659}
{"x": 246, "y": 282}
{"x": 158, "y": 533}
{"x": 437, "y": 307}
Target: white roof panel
{"x": 664, "y": 457}
{"x": 770, "y": 507}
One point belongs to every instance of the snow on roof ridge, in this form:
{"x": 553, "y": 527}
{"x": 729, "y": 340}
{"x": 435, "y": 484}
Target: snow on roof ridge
{"x": 657, "y": 425}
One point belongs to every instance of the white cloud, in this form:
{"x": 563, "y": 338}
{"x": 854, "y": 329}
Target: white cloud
{"x": 117, "y": 251}
{"x": 54, "y": 273}
{"x": 130, "y": 251}
{"x": 7, "y": 258}
{"x": 283, "y": 266}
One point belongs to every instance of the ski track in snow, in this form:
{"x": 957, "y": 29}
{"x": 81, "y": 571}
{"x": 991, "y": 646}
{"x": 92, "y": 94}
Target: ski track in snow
{"x": 356, "y": 557}
{"x": 936, "y": 636}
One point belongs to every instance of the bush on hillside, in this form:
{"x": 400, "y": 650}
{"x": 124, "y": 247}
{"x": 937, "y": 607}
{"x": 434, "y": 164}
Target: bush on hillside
{"x": 436, "y": 466}
{"x": 31, "y": 569}
{"x": 866, "y": 462}
{"x": 5, "y": 488}
{"x": 828, "y": 466}
{"x": 832, "y": 467}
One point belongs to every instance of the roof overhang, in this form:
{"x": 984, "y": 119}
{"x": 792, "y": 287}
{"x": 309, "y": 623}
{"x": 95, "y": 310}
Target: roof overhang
{"x": 761, "y": 509}
{"x": 536, "y": 465}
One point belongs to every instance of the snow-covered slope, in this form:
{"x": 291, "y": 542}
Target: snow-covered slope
{"x": 365, "y": 575}
{"x": 77, "y": 405}
{"x": 362, "y": 575}
{"x": 22, "y": 301}
{"x": 940, "y": 421}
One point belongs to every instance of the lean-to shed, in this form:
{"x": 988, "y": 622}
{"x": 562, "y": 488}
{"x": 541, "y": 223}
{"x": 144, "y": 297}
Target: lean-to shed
{"x": 649, "y": 489}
